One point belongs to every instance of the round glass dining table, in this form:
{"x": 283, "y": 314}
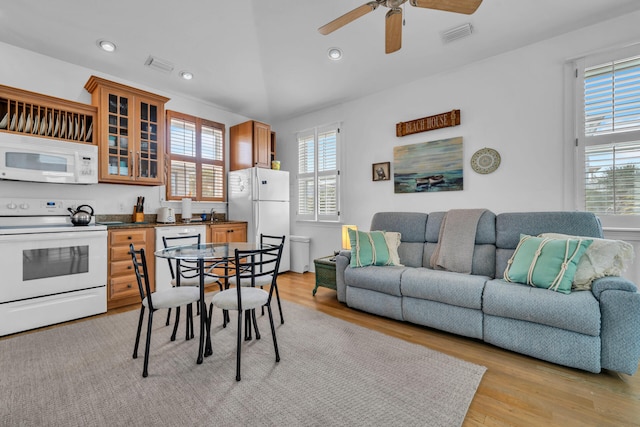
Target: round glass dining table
{"x": 207, "y": 255}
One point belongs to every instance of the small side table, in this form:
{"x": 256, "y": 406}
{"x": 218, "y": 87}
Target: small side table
{"x": 325, "y": 272}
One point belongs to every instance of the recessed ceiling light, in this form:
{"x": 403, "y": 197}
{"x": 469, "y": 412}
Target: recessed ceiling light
{"x": 106, "y": 45}
{"x": 186, "y": 75}
{"x": 335, "y": 54}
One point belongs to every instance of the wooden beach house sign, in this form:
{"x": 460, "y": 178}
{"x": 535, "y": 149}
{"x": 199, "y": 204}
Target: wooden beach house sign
{"x": 439, "y": 121}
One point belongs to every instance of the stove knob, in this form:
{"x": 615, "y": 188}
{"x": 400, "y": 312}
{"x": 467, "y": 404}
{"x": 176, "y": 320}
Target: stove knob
{"x": 24, "y": 206}
{"x": 11, "y": 205}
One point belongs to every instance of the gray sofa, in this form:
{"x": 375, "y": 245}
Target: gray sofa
{"x": 588, "y": 330}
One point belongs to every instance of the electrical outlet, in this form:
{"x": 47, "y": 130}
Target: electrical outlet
{"x": 121, "y": 207}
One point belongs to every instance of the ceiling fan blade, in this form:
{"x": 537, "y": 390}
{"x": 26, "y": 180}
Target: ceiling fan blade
{"x": 393, "y": 30}
{"x": 458, "y": 6}
{"x": 348, "y": 17}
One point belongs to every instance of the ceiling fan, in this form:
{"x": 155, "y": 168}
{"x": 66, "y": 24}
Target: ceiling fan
{"x": 393, "y": 20}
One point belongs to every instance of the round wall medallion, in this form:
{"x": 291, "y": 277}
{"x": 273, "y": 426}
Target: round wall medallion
{"x": 485, "y": 160}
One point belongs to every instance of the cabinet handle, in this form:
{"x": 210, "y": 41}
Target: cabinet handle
{"x": 129, "y": 267}
{"x": 131, "y": 163}
{"x": 129, "y": 237}
{"x": 129, "y": 285}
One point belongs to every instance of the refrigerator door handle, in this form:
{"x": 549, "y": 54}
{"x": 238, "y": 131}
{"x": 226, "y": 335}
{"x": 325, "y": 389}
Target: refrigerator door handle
{"x": 255, "y": 190}
{"x": 256, "y": 219}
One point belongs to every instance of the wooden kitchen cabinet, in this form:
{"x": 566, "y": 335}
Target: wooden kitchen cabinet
{"x": 227, "y": 232}
{"x": 251, "y": 144}
{"x": 122, "y": 286}
{"x": 130, "y": 133}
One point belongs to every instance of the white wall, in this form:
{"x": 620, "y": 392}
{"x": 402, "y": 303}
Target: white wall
{"x": 42, "y": 74}
{"x": 514, "y": 103}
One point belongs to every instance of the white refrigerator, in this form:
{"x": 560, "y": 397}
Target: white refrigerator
{"x": 261, "y": 198}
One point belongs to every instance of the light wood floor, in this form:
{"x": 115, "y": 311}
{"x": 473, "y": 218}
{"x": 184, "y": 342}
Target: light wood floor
{"x": 516, "y": 390}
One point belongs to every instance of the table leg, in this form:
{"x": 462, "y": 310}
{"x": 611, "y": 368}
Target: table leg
{"x": 208, "y": 351}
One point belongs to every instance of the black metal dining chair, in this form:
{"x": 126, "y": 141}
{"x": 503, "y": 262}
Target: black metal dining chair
{"x": 251, "y": 266}
{"x": 185, "y": 273}
{"x": 168, "y": 298}
{"x": 270, "y": 280}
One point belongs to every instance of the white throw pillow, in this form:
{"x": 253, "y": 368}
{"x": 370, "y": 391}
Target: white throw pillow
{"x": 602, "y": 258}
{"x": 393, "y": 242}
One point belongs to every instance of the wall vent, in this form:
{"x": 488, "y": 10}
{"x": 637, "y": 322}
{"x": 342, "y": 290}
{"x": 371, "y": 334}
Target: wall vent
{"x": 456, "y": 33}
{"x": 159, "y": 64}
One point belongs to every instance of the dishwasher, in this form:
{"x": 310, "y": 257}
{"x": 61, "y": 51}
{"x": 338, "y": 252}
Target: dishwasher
{"x": 163, "y": 274}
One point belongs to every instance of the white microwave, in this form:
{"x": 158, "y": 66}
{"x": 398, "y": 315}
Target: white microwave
{"x": 34, "y": 159}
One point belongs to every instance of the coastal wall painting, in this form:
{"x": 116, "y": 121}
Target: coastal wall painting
{"x": 428, "y": 166}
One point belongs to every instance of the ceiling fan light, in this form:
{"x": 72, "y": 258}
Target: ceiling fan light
{"x": 334, "y": 53}
{"x": 457, "y": 33}
{"x": 106, "y": 45}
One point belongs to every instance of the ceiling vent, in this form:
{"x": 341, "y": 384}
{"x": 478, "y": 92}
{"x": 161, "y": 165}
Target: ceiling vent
{"x": 159, "y": 64}
{"x": 456, "y": 33}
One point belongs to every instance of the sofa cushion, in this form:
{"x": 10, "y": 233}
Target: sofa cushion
{"x": 546, "y": 262}
{"x": 484, "y": 258}
{"x": 577, "y": 312}
{"x": 380, "y": 279}
{"x": 485, "y": 232}
{"x": 483, "y": 263}
{"x": 462, "y": 290}
{"x": 510, "y": 225}
{"x": 411, "y": 226}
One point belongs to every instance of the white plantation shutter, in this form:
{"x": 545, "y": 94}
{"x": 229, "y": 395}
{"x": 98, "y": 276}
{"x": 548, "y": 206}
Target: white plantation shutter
{"x": 612, "y": 97}
{"x": 318, "y": 174}
{"x": 196, "y": 158}
{"x": 183, "y": 138}
{"x": 609, "y": 132}
{"x": 183, "y": 178}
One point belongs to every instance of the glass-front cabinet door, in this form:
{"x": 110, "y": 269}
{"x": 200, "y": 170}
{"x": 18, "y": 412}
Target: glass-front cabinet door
{"x": 150, "y": 145}
{"x": 131, "y": 133}
{"x": 118, "y": 136}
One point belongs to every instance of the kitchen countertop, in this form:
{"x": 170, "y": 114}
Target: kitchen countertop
{"x": 124, "y": 221}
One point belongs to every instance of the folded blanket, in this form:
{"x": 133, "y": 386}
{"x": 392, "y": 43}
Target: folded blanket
{"x": 456, "y": 241}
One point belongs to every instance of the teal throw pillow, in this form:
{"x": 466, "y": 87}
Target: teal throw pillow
{"x": 545, "y": 262}
{"x": 368, "y": 248}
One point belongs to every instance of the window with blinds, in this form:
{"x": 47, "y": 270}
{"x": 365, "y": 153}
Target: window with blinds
{"x": 196, "y": 158}
{"x": 318, "y": 174}
{"x": 609, "y": 141}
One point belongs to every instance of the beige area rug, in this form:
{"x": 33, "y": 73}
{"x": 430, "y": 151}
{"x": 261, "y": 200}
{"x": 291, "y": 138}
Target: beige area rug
{"x": 331, "y": 373}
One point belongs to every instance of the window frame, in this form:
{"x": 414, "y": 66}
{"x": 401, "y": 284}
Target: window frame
{"x": 581, "y": 141}
{"x": 315, "y": 176}
{"x": 199, "y": 161}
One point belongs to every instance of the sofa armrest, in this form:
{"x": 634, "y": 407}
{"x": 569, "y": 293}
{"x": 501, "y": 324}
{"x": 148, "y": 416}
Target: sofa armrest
{"x": 611, "y": 283}
{"x": 343, "y": 259}
{"x": 620, "y": 323}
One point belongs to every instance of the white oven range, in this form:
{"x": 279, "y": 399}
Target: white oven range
{"x": 51, "y": 270}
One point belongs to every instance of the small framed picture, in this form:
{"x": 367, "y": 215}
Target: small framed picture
{"x": 381, "y": 171}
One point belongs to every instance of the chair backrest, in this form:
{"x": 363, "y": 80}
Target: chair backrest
{"x": 179, "y": 241}
{"x": 266, "y": 239}
{"x": 251, "y": 264}
{"x": 139, "y": 260}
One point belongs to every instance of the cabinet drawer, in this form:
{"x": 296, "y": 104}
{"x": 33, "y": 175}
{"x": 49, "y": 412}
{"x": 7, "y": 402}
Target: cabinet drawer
{"x": 128, "y": 236}
{"x": 123, "y": 287}
{"x": 121, "y": 253}
{"x": 119, "y": 268}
